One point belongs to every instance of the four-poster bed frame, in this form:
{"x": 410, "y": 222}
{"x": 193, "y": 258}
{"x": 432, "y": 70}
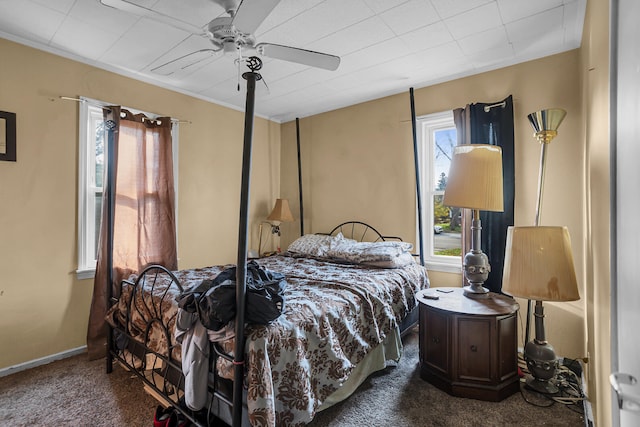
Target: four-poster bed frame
{"x": 164, "y": 376}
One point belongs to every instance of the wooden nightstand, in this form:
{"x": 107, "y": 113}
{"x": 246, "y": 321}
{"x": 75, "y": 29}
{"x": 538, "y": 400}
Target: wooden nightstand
{"x": 468, "y": 347}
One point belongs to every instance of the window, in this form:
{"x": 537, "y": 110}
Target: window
{"x": 92, "y": 165}
{"x": 441, "y": 224}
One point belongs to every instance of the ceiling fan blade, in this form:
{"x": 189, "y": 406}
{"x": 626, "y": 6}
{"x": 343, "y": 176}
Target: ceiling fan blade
{"x": 184, "y": 62}
{"x": 300, "y": 56}
{"x": 152, "y": 14}
{"x": 251, "y": 13}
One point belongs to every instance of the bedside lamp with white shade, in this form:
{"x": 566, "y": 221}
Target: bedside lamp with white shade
{"x": 475, "y": 182}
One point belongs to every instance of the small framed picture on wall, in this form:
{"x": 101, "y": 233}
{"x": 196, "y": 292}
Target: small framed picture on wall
{"x": 7, "y": 136}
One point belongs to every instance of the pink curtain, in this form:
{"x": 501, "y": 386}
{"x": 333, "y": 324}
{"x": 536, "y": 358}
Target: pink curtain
{"x": 144, "y": 229}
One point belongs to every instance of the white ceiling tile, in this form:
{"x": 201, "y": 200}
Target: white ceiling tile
{"x": 379, "y": 6}
{"x": 381, "y": 52}
{"x": 345, "y": 81}
{"x": 512, "y": 10}
{"x": 489, "y": 57}
{"x": 297, "y": 81}
{"x": 536, "y": 47}
{"x": 409, "y": 16}
{"x": 474, "y": 21}
{"x": 95, "y": 42}
{"x": 144, "y": 3}
{"x": 536, "y": 26}
{"x": 274, "y": 70}
{"x": 356, "y": 37}
{"x": 20, "y": 17}
{"x": 442, "y": 54}
{"x": 449, "y": 8}
{"x": 186, "y": 47}
{"x": 443, "y": 71}
{"x": 63, "y": 6}
{"x": 206, "y": 75}
{"x": 104, "y": 16}
{"x": 321, "y": 21}
{"x": 284, "y": 11}
{"x": 495, "y": 38}
{"x": 198, "y": 12}
{"x": 138, "y": 47}
{"x": 427, "y": 37}
{"x": 224, "y": 90}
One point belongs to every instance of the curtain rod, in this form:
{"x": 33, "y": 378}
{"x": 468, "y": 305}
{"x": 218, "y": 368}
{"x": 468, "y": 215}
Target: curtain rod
{"x": 69, "y": 98}
{"x": 487, "y": 108}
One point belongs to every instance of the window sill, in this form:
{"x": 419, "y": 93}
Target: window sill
{"x": 85, "y": 274}
{"x": 444, "y": 267}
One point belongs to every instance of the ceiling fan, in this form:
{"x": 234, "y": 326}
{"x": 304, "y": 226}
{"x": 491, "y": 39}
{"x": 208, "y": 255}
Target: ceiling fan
{"x": 232, "y": 34}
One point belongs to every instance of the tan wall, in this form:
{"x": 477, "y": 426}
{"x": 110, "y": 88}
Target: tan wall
{"x": 43, "y": 307}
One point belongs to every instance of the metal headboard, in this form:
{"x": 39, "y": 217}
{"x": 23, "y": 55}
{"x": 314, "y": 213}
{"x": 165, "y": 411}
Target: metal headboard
{"x": 360, "y": 231}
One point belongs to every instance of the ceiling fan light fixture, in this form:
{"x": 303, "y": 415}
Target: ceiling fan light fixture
{"x": 231, "y": 47}
{"x": 230, "y": 34}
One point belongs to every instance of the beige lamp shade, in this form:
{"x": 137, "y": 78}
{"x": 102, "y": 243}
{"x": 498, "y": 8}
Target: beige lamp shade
{"x": 281, "y": 212}
{"x": 538, "y": 264}
{"x": 475, "y": 178}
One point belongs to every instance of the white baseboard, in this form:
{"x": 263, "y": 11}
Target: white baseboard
{"x": 41, "y": 361}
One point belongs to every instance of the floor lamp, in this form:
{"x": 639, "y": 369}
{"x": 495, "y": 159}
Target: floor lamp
{"x": 539, "y": 265}
{"x": 545, "y": 123}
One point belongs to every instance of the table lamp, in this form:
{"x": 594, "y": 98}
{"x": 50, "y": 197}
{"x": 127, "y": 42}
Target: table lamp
{"x": 475, "y": 182}
{"x": 280, "y": 213}
{"x": 539, "y": 266}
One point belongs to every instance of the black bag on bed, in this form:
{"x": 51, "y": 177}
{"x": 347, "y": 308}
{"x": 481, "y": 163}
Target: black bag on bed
{"x": 215, "y": 300}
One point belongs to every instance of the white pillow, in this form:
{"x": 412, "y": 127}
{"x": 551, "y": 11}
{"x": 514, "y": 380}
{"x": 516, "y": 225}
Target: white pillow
{"x": 369, "y": 252}
{"x": 399, "y": 261}
{"x": 315, "y": 245}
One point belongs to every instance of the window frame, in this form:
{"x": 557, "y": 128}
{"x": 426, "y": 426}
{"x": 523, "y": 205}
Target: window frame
{"x": 90, "y": 109}
{"x": 426, "y": 126}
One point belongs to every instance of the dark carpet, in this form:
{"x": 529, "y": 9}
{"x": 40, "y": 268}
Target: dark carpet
{"x": 78, "y": 392}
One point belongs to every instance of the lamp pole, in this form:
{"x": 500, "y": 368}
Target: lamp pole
{"x": 545, "y": 123}
{"x": 539, "y": 354}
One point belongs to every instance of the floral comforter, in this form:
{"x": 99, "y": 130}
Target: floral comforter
{"x": 335, "y": 314}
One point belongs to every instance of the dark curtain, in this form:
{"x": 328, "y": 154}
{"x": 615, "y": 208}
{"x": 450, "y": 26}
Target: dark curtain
{"x": 495, "y": 126}
{"x": 143, "y": 216}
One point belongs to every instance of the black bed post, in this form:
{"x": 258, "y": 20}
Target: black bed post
{"x": 299, "y": 178}
{"x": 111, "y": 196}
{"x": 251, "y": 77}
{"x": 417, "y": 167}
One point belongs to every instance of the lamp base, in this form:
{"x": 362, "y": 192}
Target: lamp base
{"x": 542, "y": 386}
{"x": 475, "y": 291}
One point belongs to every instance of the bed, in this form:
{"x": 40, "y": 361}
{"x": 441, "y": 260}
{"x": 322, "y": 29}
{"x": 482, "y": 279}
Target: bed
{"x": 349, "y": 296}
